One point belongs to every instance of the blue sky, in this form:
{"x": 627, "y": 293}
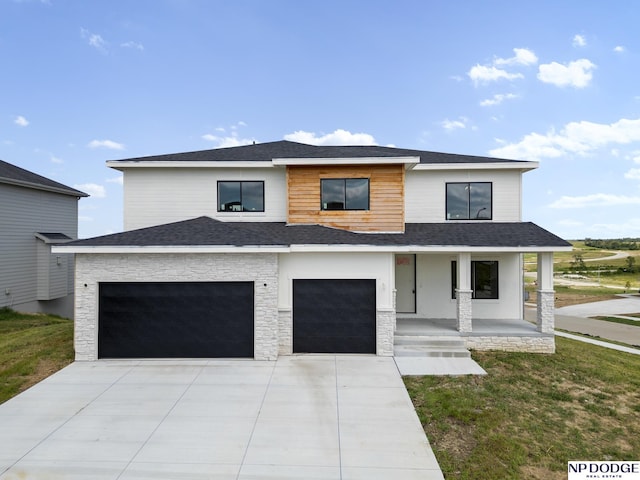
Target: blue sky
{"x": 84, "y": 81}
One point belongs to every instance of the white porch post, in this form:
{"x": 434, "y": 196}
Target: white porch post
{"x": 546, "y": 294}
{"x": 463, "y": 292}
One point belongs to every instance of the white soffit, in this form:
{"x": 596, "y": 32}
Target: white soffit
{"x": 524, "y": 166}
{"x": 120, "y": 164}
{"x": 409, "y": 162}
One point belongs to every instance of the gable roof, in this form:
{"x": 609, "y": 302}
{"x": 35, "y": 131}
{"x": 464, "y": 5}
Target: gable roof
{"x": 266, "y": 152}
{"x": 12, "y": 175}
{"x": 205, "y": 231}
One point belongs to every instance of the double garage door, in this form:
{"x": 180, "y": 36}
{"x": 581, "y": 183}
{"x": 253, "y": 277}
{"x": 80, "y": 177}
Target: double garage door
{"x": 216, "y": 319}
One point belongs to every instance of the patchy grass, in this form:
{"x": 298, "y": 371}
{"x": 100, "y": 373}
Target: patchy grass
{"x": 576, "y": 295}
{"x": 532, "y": 413}
{"x": 32, "y": 347}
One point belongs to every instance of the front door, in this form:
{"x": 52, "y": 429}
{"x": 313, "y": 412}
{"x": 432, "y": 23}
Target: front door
{"x": 405, "y": 283}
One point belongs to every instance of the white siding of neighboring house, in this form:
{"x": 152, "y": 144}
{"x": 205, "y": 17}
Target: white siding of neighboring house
{"x": 155, "y": 196}
{"x": 24, "y": 212}
{"x": 433, "y": 287}
{"x": 425, "y": 193}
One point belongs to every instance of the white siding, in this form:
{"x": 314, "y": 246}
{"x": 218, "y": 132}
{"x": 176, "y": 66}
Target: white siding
{"x": 155, "y": 196}
{"x": 24, "y": 212}
{"x": 433, "y": 288}
{"x": 425, "y": 193}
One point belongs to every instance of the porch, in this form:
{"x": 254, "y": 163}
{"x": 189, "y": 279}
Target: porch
{"x": 512, "y": 335}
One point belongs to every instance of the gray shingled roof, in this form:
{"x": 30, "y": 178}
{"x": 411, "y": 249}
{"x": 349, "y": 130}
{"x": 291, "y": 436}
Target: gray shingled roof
{"x": 19, "y": 176}
{"x": 205, "y": 231}
{"x": 265, "y": 152}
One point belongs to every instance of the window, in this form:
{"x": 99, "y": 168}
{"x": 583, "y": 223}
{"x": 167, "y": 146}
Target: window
{"x": 344, "y": 193}
{"x": 484, "y": 279}
{"x": 241, "y": 196}
{"x": 469, "y": 201}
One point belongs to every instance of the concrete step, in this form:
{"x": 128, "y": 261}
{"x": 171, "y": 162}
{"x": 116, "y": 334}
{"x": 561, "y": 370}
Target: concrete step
{"x": 420, "y": 346}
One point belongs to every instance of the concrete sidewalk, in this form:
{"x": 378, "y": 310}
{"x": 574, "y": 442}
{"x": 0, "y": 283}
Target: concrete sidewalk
{"x": 301, "y": 417}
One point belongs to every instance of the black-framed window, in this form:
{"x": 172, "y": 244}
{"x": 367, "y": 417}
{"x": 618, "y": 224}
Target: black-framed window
{"x": 240, "y": 196}
{"x": 344, "y": 194}
{"x": 484, "y": 279}
{"x": 469, "y": 201}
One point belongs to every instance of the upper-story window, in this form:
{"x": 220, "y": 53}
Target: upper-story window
{"x": 344, "y": 193}
{"x": 240, "y": 196}
{"x": 469, "y": 201}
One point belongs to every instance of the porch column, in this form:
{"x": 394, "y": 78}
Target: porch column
{"x": 463, "y": 292}
{"x": 546, "y": 294}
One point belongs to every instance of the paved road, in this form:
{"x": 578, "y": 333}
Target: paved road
{"x": 574, "y": 318}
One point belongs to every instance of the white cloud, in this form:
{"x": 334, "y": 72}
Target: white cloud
{"x": 338, "y": 137}
{"x": 110, "y": 144}
{"x": 93, "y": 189}
{"x": 633, "y": 174}
{"x": 21, "y": 121}
{"x": 497, "y": 99}
{"x": 576, "y": 74}
{"x": 619, "y": 49}
{"x": 579, "y": 138}
{"x": 56, "y": 160}
{"x": 485, "y": 74}
{"x": 579, "y": 41}
{"x": 451, "y": 125}
{"x": 94, "y": 40}
{"x": 117, "y": 180}
{"x": 522, "y": 56}
{"x": 133, "y": 45}
{"x": 224, "y": 142}
{"x": 569, "y": 223}
{"x": 594, "y": 200}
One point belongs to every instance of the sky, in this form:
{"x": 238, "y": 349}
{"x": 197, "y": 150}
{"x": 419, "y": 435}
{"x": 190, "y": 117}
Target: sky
{"x": 558, "y": 82}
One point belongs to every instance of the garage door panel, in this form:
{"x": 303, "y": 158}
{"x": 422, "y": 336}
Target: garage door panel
{"x": 176, "y": 319}
{"x": 334, "y": 316}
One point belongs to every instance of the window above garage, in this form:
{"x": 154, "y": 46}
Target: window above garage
{"x": 241, "y": 196}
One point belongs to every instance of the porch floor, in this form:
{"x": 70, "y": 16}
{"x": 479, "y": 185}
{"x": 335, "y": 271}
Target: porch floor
{"x": 480, "y": 327}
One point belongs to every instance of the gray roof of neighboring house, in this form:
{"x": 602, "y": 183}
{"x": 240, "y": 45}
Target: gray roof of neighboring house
{"x": 13, "y": 175}
{"x": 205, "y": 231}
{"x": 284, "y": 149}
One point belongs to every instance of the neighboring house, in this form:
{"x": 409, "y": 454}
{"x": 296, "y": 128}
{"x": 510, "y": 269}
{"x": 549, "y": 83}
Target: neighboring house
{"x": 279, "y": 248}
{"x": 36, "y": 213}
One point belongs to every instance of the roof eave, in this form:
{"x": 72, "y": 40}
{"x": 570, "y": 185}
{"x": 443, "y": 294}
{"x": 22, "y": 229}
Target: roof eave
{"x": 46, "y": 188}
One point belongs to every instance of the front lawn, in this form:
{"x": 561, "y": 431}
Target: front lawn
{"x": 32, "y": 347}
{"x": 532, "y": 413}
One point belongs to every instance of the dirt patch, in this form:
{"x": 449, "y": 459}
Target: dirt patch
{"x": 566, "y": 299}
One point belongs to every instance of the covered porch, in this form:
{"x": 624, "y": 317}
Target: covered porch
{"x": 479, "y": 301}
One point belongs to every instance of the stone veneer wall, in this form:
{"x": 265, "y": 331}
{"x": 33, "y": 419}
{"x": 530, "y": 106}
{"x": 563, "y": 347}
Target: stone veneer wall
{"x": 385, "y": 326}
{"x": 532, "y": 344}
{"x": 261, "y": 268}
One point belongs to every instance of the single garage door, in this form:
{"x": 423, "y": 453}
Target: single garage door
{"x": 175, "y": 320}
{"x": 334, "y": 316}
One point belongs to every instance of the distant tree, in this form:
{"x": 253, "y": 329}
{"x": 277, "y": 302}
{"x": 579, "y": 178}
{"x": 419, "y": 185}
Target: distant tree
{"x": 578, "y": 262}
{"x": 631, "y": 263}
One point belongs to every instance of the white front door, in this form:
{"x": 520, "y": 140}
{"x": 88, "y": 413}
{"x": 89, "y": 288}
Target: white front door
{"x": 405, "y": 283}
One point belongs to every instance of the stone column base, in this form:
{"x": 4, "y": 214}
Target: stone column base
{"x": 546, "y": 311}
{"x": 463, "y": 310}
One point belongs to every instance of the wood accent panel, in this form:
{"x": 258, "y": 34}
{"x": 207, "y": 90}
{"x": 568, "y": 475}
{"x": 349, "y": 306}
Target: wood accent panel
{"x": 386, "y": 198}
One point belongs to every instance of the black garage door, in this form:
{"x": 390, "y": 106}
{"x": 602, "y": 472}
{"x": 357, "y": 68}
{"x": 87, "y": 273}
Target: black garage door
{"x": 334, "y": 316}
{"x": 175, "y": 320}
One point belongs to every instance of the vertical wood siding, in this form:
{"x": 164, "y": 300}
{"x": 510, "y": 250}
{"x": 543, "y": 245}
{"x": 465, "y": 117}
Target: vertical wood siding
{"x": 386, "y": 198}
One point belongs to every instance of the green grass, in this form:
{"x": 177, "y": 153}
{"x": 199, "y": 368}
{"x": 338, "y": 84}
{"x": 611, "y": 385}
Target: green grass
{"x": 32, "y": 347}
{"x": 532, "y": 413}
{"x": 623, "y": 321}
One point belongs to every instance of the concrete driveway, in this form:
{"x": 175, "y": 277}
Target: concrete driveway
{"x": 301, "y": 417}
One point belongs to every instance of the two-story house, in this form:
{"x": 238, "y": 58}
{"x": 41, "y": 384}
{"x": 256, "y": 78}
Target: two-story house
{"x": 280, "y": 248}
{"x": 36, "y": 213}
